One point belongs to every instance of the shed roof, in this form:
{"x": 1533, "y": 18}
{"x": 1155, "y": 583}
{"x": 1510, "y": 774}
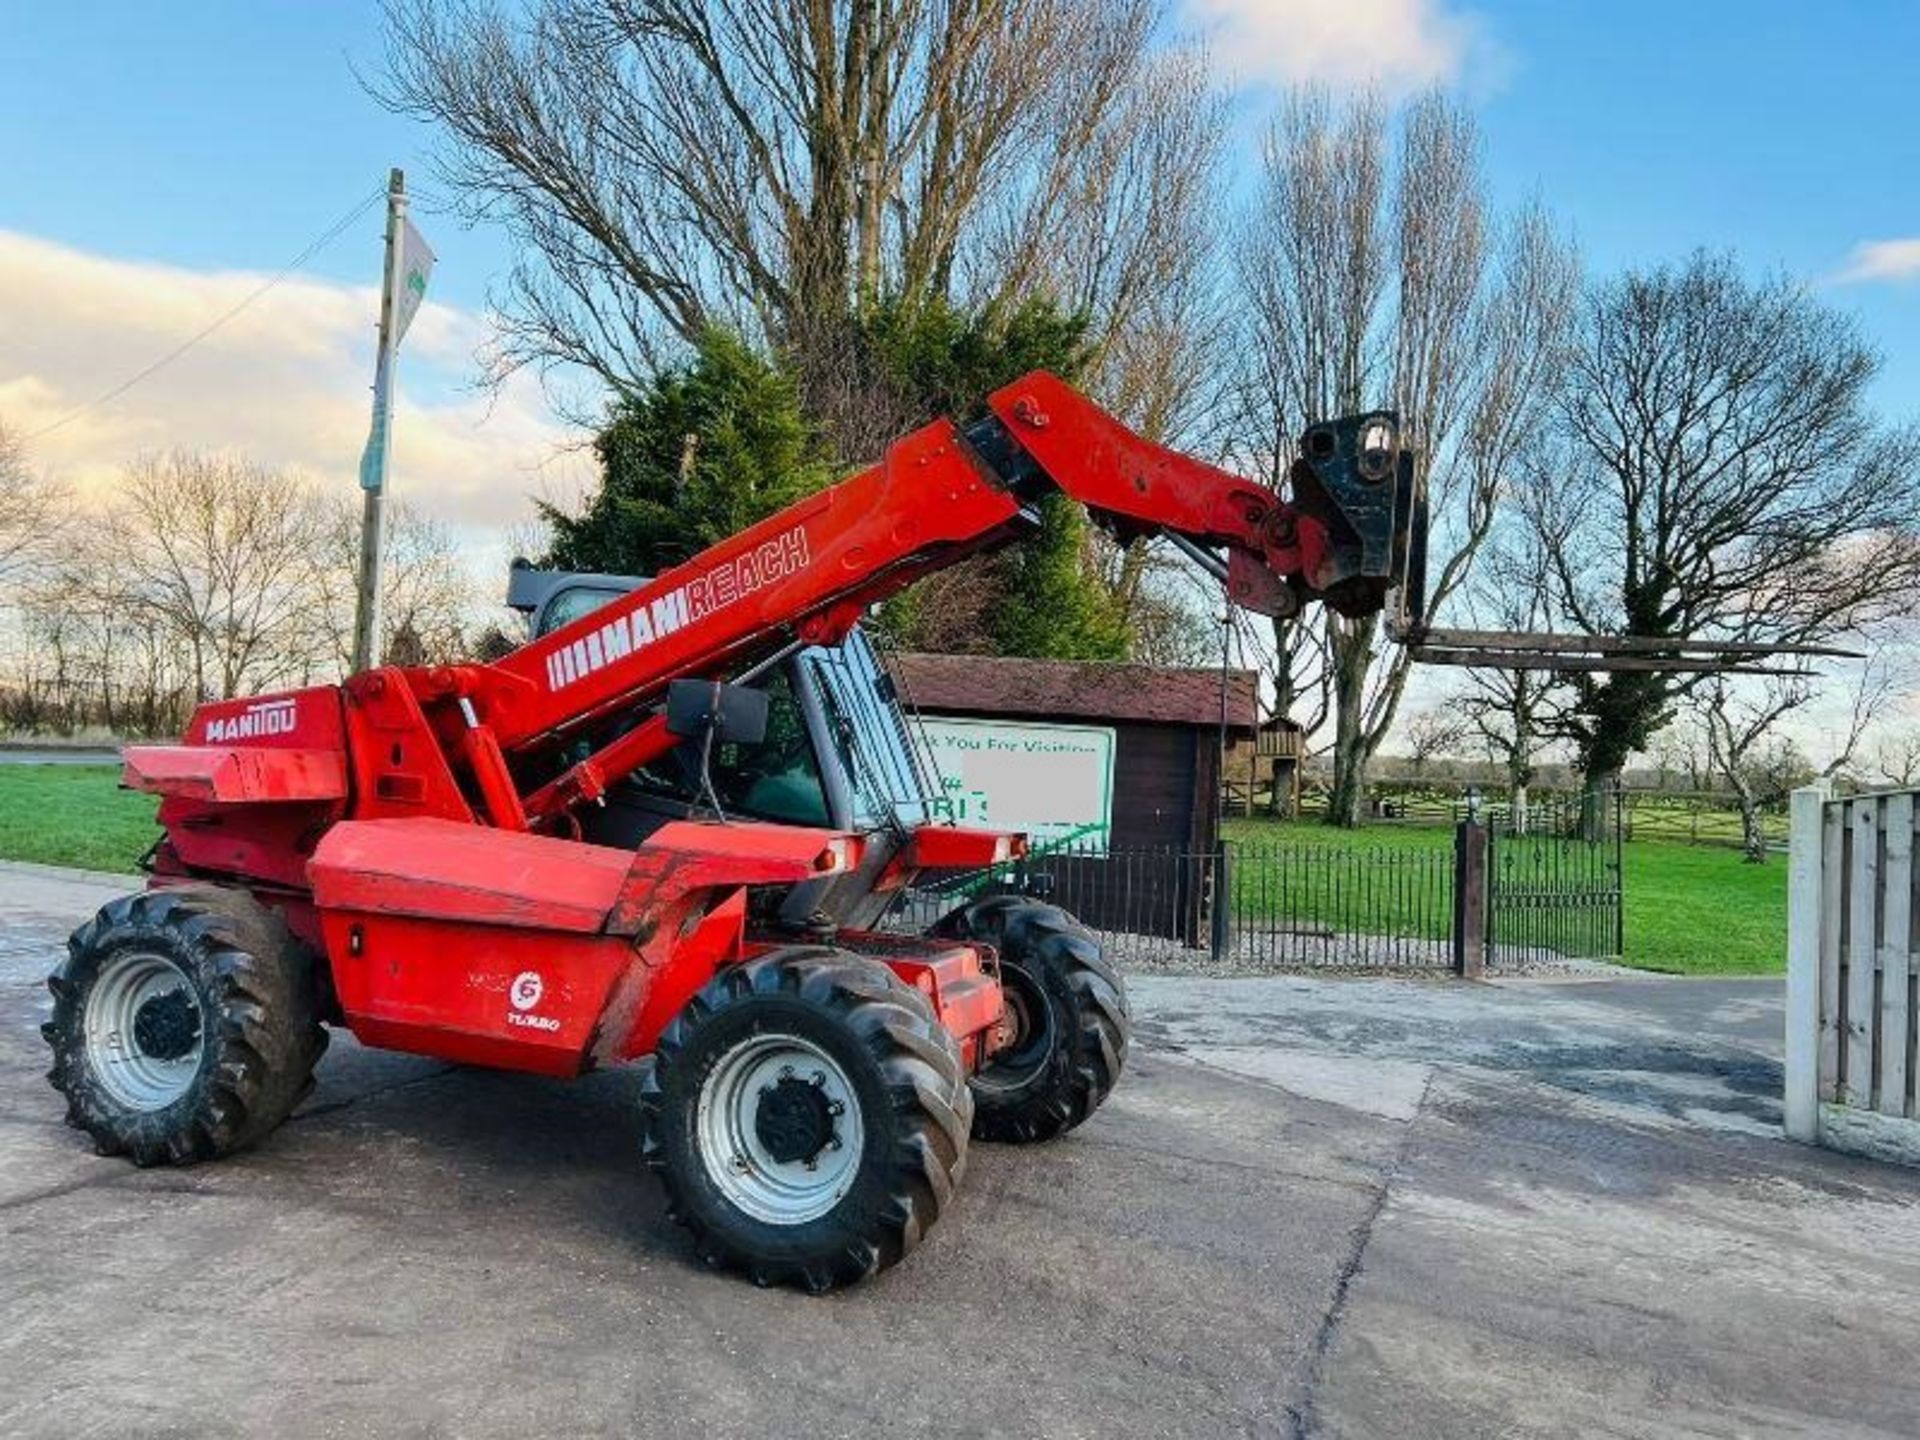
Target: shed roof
{"x": 1075, "y": 690}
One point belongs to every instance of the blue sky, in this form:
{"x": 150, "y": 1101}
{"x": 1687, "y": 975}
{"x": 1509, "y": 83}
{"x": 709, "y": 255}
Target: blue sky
{"x": 224, "y": 136}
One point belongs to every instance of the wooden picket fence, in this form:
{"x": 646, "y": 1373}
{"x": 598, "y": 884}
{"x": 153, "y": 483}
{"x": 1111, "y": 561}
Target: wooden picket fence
{"x": 1853, "y": 984}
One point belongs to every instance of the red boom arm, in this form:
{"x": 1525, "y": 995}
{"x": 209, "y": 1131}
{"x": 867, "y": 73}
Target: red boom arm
{"x": 808, "y": 573}
{"x": 805, "y": 576}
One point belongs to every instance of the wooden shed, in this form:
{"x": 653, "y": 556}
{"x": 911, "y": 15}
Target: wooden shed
{"x": 1149, "y": 871}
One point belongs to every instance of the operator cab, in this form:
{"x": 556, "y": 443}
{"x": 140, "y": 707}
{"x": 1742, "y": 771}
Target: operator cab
{"x": 839, "y": 751}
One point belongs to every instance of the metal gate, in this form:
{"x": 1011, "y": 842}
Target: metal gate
{"x": 1554, "y": 879}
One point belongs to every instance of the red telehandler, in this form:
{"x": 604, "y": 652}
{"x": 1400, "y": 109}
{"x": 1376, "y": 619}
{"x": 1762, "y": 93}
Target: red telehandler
{"x": 637, "y": 838}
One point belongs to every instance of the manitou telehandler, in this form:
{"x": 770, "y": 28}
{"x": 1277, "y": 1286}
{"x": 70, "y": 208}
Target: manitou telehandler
{"x": 664, "y": 831}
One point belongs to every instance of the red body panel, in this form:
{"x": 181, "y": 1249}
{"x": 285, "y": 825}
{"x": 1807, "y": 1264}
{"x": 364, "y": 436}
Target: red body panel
{"x": 440, "y": 868}
{"x": 529, "y": 952}
{"x": 235, "y": 776}
{"x": 951, "y": 974}
{"x": 448, "y": 988}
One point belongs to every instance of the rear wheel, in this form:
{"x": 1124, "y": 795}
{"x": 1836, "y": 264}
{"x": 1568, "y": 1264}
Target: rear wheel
{"x": 184, "y": 1025}
{"x": 1068, "y": 1011}
{"x": 808, "y": 1116}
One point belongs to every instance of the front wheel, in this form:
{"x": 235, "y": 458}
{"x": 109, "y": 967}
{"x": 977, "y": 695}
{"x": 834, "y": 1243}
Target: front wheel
{"x": 808, "y": 1116}
{"x": 1067, "y": 1008}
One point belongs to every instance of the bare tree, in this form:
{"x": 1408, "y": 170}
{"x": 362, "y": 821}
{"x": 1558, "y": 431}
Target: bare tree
{"x": 1897, "y": 757}
{"x": 1880, "y": 677}
{"x": 1375, "y": 277}
{"x": 1740, "y": 721}
{"x": 225, "y": 557}
{"x": 1431, "y": 734}
{"x": 787, "y": 168}
{"x": 32, "y": 505}
{"x": 1679, "y": 758}
{"x": 1719, "y": 475}
{"x": 1512, "y": 709}
{"x": 427, "y": 597}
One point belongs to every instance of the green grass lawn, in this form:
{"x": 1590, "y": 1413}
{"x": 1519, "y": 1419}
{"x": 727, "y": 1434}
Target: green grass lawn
{"x": 1691, "y": 910}
{"x": 73, "y": 815}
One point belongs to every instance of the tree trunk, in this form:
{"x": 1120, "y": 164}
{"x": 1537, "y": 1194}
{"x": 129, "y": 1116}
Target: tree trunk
{"x": 1596, "y": 793}
{"x": 1753, "y": 840}
{"x": 1345, "y": 805}
{"x": 1352, "y": 653}
{"x": 1517, "y": 811}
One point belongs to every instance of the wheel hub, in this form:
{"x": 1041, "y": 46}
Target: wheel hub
{"x": 167, "y": 1026}
{"x": 779, "y": 1128}
{"x": 1024, "y": 1041}
{"x": 142, "y": 1030}
{"x": 793, "y": 1120}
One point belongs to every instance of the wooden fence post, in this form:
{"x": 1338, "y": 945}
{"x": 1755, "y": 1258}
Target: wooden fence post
{"x": 1470, "y": 899}
{"x": 1804, "y": 841}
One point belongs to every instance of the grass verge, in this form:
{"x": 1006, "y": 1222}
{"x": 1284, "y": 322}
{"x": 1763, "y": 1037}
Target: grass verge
{"x": 73, "y": 815}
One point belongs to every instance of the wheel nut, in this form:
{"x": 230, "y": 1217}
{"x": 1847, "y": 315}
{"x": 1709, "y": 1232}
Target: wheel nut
{"x": 834, "y": 1107}
{"x": 819, "y": 1078}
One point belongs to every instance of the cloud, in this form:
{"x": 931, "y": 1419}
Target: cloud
{"x": 1395, "y": 46}
{"x": 1389, "y": 45}
{"x": 284, "y": 383}
{"x": 1873, "y": 260}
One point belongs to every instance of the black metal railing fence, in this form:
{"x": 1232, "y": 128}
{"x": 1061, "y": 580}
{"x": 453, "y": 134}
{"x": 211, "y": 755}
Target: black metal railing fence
{"x": 1280, "y": 905}
{"x": 1549, "y": 885}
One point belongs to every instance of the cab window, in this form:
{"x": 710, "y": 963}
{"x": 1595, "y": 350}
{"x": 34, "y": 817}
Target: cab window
{"x": 778, "y": 779}
{"x": 570, "y": 604}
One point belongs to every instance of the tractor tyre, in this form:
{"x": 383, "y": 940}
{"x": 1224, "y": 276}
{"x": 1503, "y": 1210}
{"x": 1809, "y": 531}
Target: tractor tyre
{"x": 184, "y": 1024}
{"x": 808, "y": 1115}
{"x": 1071, "y": 1022}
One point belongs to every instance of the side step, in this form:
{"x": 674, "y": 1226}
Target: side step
{"x": 1526, "y": 650}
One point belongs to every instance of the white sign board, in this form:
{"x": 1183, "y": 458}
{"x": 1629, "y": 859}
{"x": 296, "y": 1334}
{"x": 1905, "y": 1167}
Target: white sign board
{"x": 1054, "y": 782}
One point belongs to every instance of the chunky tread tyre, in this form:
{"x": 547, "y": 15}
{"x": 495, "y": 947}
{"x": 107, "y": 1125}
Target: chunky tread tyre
{"x": 911, "y": 1089}
{"x": 253, "y": 985}
{"x": 1058, "y": 1074}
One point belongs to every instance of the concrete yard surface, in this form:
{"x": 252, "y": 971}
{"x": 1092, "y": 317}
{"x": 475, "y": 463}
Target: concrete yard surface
{"x": 1359, "y": 1207}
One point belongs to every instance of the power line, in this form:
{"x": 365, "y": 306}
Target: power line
{"x": 327, "y": 237}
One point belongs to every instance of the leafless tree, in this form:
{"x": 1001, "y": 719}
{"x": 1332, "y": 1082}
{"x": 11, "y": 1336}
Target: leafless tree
{"x": 1740, "y": 722}
{"x": 427, "y": 596}
{"x": 1897, "y": 757}
{"x": 32, "y": 505}
{"x": 1512, "y": 709}
{"x": 1718, "y": 475}
{"x": 225, "y": 557}
{"x": 1884, "y": 673}
{"x": 1679, "y": 757}
{"x": 785, "y": 168}
{"x": 1375, "y": 276}
{"x": 1432, "y": 733}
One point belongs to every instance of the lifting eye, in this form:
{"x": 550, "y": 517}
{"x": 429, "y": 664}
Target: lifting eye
{"x": 1376, "y": 451}
{"x": 1320, "y": 444}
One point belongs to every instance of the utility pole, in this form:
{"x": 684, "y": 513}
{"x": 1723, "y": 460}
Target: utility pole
{"x": 373, "y": 466}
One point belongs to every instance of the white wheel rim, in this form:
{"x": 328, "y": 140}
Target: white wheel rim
{"x": 738, "y": 1160}
{"x": 136, "y": 1062}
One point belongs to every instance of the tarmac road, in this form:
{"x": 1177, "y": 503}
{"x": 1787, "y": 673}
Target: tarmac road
{"x": 1340, "y": 1207}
